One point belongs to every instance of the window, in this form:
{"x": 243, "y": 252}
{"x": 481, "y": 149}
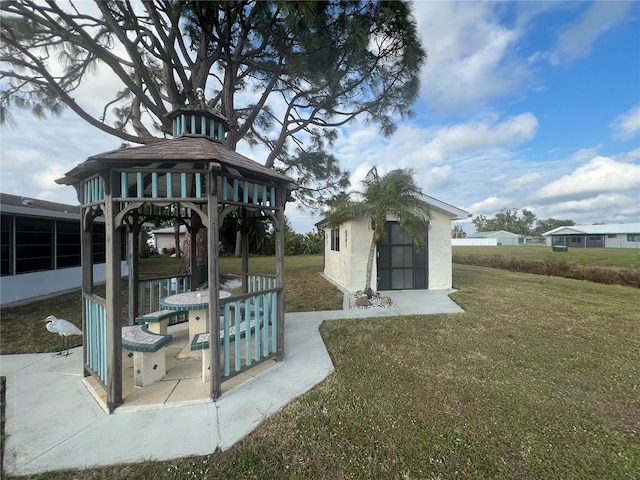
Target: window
{"x": 98, "y": 243}
{"x": 67, "y": 244}
{"x": 633, "y": 237}
{"x": 5, "y": 244}
{"x": 34, "y": 244}
{"x": 335, "y": 239}
{"x": 576, "y": 239}
{"x": 611, "y": 235}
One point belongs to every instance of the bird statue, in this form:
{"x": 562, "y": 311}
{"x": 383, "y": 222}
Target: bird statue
{"x": 63, "y": 328}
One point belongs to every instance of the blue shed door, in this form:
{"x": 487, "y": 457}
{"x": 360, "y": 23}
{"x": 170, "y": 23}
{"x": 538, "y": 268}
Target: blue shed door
{"x": 400, "y": 265}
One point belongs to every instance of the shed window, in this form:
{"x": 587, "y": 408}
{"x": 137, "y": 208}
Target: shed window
{"x": 335, "y": 239}
{"x": 611, "y": 235}
{"x": 633, "y": 237}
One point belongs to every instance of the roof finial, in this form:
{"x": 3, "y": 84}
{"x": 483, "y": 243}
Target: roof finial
{"x": 200, "y": 97}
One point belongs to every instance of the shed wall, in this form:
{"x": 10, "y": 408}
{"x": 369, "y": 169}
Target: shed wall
{"x": 164, "y": 240}
{"x": 348, "y": 267}
{"x": 439, "y": 251}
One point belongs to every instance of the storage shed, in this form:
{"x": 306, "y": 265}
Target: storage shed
{"x": 398, "y": 264}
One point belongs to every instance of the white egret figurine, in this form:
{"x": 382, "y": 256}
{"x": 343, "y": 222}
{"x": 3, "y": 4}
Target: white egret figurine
{"x": 63, "y": 328}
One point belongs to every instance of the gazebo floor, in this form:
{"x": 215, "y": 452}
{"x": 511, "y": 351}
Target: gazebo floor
{"x": 181, "y": 385}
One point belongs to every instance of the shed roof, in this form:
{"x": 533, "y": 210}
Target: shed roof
{"x": 493, "y": 234}
{"x": 611, "y": 228}
{"x": 454, "y": 213}
{"x": 185, "y": 149}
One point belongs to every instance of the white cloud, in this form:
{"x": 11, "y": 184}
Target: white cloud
{"x": 489, "y": 206}
{"x": 437, "y": 178}
{"x": 471, "y": 56}
{"x": 472, "y": 136}
{"x": 523, "y": 182}
{"x": 606, "y": 208}
{"x": 577, "y": 40}
{"x": 584, "y": 154}
{"x": 600, "y": 175}
{"x": 627, "y": 157}
{"x": 627, "y": 125}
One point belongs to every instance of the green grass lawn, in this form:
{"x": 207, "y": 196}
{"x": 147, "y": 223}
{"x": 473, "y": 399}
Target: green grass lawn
{"x": 538, "y": 379}
{"x": 602, "y": 257}
{"x": 23, "y": 327}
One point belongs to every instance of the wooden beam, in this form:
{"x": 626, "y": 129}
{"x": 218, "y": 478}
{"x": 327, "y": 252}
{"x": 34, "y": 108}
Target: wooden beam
{"x": 133, "y": 258}
{"x": 244, "y": 252}
{"x": 113, "y": 299}
{"x": 213, "y": 272}
{"x": 86, "y": 262}
{"x": 281, "y": 198}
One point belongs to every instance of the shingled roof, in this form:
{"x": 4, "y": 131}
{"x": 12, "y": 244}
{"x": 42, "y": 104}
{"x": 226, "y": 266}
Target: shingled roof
{"x": 187, "y": 149}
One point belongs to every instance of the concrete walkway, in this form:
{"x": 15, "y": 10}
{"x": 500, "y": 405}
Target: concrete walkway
{"x": 54, "y": 423}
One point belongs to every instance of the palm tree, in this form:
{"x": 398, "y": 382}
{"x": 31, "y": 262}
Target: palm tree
{"x": 394, "y": 194}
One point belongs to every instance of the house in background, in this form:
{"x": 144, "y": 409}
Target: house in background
{"x": 496, "y": 237}
{"x": 40, "y": 248}
{"x": 398, "y": 265}
{"x": 614, "y": 235}
{"x": 165, "y": 238}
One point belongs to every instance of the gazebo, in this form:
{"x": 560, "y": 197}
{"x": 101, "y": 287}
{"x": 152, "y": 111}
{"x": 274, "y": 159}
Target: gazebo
{"x": 195, "y": 179}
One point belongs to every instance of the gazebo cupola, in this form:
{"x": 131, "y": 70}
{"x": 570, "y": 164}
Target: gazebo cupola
{"x": 195, "y": 180}
{"x": 189, "y": 121}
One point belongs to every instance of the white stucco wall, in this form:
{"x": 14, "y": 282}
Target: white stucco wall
{"x": 167, "y": 240}
{"x": 439, "y": 251}
{"x": 348, "y": 267}
{"x": 16, "y": 288}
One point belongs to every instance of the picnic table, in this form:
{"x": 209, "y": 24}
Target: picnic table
{"x": 196, "y": 304}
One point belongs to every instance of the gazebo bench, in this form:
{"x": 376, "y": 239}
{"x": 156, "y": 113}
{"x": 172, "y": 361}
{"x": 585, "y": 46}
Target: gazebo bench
{"x": 201, "y": 342}
{"x": 149, "y": 364}
{"x": 157, "y": 321}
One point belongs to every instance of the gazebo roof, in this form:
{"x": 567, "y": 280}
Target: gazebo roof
{"x": 186, "y": 149}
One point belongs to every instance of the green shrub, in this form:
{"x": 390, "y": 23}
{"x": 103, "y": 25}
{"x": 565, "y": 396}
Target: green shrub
{"x": 555, "y": 268}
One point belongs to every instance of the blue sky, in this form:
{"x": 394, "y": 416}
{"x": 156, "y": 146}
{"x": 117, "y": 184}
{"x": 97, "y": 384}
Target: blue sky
{"x": 523, "y": 105}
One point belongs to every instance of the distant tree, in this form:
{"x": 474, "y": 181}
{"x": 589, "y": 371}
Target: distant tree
{"x": 395, "y": 193}
{"x": 458, "y": 232}
{"x": 549, "y": 224}
{"x": 508, "y": 220}
{"x": 314, "y": 243}
{"x": 480, "y": 222}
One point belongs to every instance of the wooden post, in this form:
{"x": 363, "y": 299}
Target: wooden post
{"x": 214, "y": 286}
{"x": 113, "y": 300}
{"x": 193, "y": 261}
{"x": 244, "y": 247}
{"x": 281, "y": 198}
{"x": 86, "y": 260}
{"x": 133, "y": 256}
